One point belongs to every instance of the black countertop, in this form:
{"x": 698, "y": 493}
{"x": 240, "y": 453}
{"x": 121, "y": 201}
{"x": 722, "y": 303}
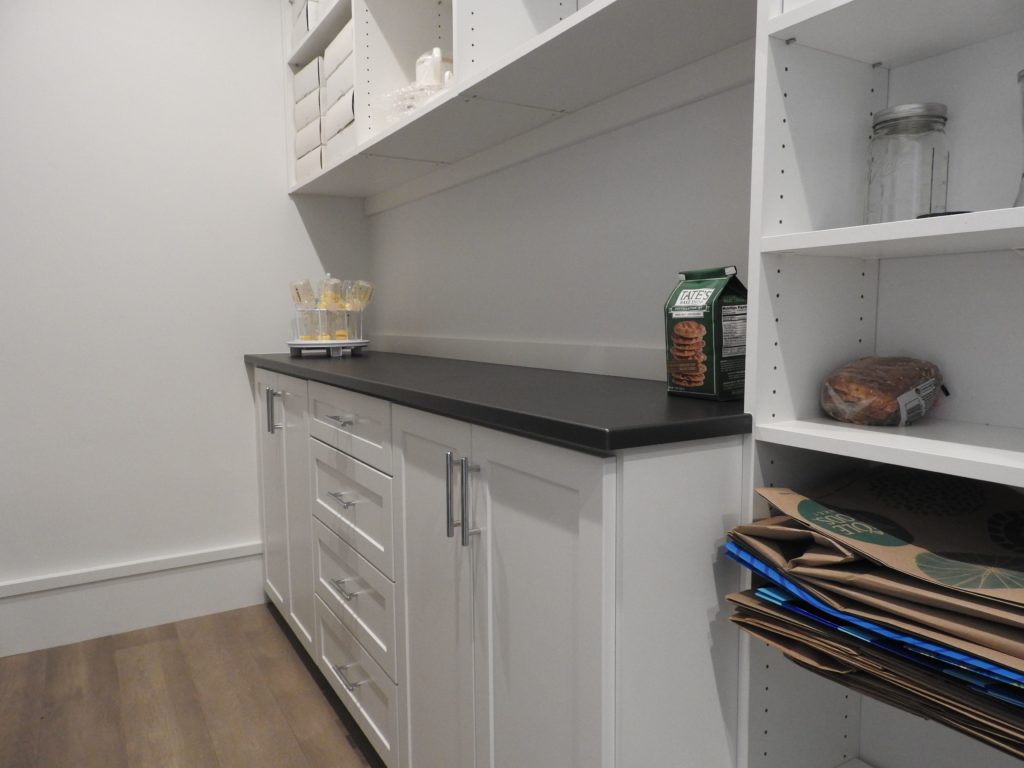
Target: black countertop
{"x": 585, "y": 412}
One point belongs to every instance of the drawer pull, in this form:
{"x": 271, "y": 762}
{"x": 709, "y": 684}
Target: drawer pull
{"x": 467, "y": 531}
{"x": 339, "y": 496}
{"x": 343, "y": 421}
{"x": 339, "y": 669}
{"x": 345, "y": 594}
{"x": 271, "y": 394}
{"x": 449, "y": 481}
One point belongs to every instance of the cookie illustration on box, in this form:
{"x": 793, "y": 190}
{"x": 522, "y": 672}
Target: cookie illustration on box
{"x": 705, "y": 334}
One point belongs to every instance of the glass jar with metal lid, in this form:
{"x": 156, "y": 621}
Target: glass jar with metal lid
{"x": 909, "y": 162}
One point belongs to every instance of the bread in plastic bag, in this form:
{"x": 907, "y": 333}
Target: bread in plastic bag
{"x": 881, "y": 391}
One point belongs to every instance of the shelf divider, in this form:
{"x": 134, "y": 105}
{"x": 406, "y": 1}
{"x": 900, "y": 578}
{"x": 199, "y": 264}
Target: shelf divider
{"x": 993, "y": 454}
{"x": 996, "y": 230}
{"x": 896, "y": 33}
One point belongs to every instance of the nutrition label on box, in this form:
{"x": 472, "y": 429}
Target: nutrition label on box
{"x": 734, "y": 330}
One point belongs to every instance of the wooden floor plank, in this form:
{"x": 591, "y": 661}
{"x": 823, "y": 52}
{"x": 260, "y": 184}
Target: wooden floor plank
{"x": 80, "y": 725}
{"x": 163, "y": 722}
{"x": 326, "y": 740}
{"x": 246, "y": 725}
{"x": 225, "y": 691}
{"x": 22, "y": 677}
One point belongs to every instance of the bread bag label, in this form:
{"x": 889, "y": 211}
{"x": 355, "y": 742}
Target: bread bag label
{"x": 705, "y": 334}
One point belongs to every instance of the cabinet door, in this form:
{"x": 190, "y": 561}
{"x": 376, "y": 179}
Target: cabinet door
{"x": 300, "y": 526}
{"x": 438, "y": 586}
{"x": 545, "y": 610}
{"x": 273, "y": 516}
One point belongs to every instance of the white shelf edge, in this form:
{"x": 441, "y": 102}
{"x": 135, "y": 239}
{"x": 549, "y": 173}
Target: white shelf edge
{"x": 718, "y": 73}
{"x": 996, "y": 230}
{"x": 994, "y": 454}
{"x": 319, "y": 36}
{"x": 779, "y": 24}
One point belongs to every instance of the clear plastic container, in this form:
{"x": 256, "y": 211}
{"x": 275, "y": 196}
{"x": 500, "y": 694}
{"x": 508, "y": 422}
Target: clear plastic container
{"x": 909, "y": 162}
{"x": 322, "y": 325}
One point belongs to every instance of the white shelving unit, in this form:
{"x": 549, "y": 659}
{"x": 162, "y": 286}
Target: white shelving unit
{"x": 518, "y": 65}
{"x": 826, "y": 289}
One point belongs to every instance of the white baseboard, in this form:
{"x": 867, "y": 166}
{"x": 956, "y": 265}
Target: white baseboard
{"x": 71, "y": 607}
{"x": 634, "y": 362}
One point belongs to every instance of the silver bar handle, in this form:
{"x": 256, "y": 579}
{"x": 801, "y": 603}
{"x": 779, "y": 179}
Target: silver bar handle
{"x": 339, "y": 496}
{"x": 449, "y": 481}
{"x": 270, "y": 395}
{"x": 349, "y": 685}
{"x": 343, "y": 421}
{"x": 466, "y": 468}
{"x": 345, "y": 594}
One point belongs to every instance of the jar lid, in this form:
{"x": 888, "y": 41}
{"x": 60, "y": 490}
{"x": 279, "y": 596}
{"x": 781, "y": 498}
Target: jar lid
{"x": 930, "y": 109}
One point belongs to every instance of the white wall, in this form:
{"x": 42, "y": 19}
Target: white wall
{"x": 146, "y": 245}
{"x": 566, "y": 260}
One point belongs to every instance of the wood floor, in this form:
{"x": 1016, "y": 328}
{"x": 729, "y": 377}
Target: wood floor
{"x": 222, "y": 691}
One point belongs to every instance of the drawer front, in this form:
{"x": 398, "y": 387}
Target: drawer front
{"x": 354, "y": 501}
{"x": 366, "y": 691}
{"x": 358, "y": 594}
{"x": 357, "y": 424}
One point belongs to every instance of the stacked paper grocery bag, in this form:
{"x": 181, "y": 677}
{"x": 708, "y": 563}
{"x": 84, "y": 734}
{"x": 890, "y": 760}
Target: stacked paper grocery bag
{"x": 325, "y": 107}
{"x": 337, "y": 98}
{"x": 907, "y": 586}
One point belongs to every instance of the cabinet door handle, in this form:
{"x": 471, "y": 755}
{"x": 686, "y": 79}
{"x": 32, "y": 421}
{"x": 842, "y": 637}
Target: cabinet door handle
{"x": 339, "y": 496}
{"x": 339, "y": 669}
{"x": 343, "y": 421}
{"x": 345, "y": 594}
{"x": 449, "y": 481}
{"x": 270, "y": 395}
{"x": 466, "y": 468}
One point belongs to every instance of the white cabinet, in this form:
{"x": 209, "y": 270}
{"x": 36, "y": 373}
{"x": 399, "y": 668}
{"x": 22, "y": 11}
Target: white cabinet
{"x": 282, "y": 429}
{"x": 583, "y": 623}
{"x": 506, "y": 651}
{"x": 826, "y": 288}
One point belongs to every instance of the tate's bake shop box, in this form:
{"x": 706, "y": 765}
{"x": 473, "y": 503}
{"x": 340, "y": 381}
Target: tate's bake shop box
{"x": 705, "y": 334}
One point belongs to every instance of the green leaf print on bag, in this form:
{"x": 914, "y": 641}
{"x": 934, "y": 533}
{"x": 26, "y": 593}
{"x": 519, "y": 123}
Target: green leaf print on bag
{"x": 868, "y": 527}
{"x": 965, "y": 570}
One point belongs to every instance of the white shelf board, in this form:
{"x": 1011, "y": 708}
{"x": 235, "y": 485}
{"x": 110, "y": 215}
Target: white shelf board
{"x": 606, "y": 47}
{"x": 331, "y": 22}
{"x": 896, "y": 33}
{"x": 996, "y": 230}
{"x": 995, "y": 454}
{"x": 611, "y": 45}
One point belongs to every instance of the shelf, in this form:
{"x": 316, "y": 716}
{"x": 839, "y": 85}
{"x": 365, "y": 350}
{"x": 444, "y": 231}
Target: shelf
{"x": 896, "y": 33}
{"x": 330, "y": 24}
{"x": 855, "y": 764}
{"x": 584, "y": 59}
{"x": 995, "y": 454}
{"x": 997, "y": 230}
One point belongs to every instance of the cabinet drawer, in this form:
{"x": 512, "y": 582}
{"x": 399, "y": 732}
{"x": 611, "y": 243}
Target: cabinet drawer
{"x": 366, "y": 691}
{"x": 354, "y": 501}
{"x": 356, "y": 424}
{"x": 358, "y": 594}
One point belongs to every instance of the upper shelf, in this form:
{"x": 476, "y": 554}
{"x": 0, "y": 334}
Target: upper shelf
{"x": 994, "y": 454}
{"x": 997, "y": 230}
{"x": 333, "y": 17}
{"x": 881, "y": 31}
{"x": 603, "y": 49}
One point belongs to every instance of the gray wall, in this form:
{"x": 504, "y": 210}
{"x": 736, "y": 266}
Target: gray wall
{"x": 146, "y": 245}
{"x": 566, "y": 260}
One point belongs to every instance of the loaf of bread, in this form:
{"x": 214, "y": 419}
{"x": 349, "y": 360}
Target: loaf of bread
{"x": 881, "y": 391}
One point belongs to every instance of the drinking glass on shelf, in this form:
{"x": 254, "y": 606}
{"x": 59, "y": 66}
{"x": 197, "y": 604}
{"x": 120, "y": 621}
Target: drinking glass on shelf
{"x": 1020, "y": 84}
